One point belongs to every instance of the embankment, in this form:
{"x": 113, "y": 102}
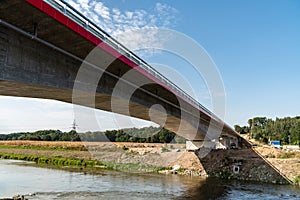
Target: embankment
{"x": 254, "y": 164}
{"x": 243, "y": 164}
{"x": 118, "y": 156}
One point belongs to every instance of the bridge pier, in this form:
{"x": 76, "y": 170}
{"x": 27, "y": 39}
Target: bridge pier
{"x": 227, "y": 142}
{"x": 223, "y": 142}
{"x": 194, "y": 145}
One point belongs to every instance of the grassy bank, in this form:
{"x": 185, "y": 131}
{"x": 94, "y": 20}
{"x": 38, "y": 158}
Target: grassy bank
{"x": 296, "y": 180}
{"x": 59, "y": 161}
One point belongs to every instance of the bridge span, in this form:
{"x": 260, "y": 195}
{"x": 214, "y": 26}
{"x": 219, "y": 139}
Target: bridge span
{"x": 43, "y": 43}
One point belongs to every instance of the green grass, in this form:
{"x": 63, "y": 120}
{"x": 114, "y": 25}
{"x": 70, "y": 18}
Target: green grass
{"x": 296, "y": 180}
{"x": 221, "y": 174}
{"x": 57, "y": 160}
{"x": 82, "y": 163}
{"x": 270, "y": 155}
{"x": 164, "y": 149}
{"x": 286, "y": 155}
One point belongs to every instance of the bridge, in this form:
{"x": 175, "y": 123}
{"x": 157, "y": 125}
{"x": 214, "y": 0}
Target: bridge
{"x": 43, "y": 43}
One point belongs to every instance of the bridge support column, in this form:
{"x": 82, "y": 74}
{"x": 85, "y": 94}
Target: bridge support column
{"x": 194, "y": 145}
{"x": 227, "y": 142}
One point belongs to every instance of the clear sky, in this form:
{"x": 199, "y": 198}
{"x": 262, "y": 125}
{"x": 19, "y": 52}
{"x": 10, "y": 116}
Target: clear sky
{"x": 255, "y": 45}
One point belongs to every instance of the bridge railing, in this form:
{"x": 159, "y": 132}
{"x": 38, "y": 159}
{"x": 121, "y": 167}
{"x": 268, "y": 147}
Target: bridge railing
{"x": 83, "y": 21}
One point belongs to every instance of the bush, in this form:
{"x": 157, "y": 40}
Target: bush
{"x": 286, "y": 155}
{"x": 296, "y": 180}
{"x": 164, "y": 149}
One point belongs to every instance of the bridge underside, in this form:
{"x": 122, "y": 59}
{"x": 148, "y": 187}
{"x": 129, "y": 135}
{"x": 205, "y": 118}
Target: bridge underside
{"x": 30, "y": 68}
{"x": 102, "y": 102}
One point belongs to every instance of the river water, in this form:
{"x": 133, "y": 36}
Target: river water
{"x": 19, "y": 177}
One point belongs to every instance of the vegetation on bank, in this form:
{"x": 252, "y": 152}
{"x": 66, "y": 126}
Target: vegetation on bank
{"x": 286, "y": 130}
{"x": 221, "y": 174}
{"x": 81, "y": 163}
{"x": 284, "y": 155}
{"x": 297, "y": 180}
{"x": 141, "y": 135}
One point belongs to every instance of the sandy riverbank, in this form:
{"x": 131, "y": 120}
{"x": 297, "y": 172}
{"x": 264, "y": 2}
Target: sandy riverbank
{"x": 164, "y": 156}
{"x": 158, "y": 155}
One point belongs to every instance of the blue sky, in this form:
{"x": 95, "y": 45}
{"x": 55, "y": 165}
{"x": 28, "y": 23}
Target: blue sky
{"x": 254, "y": 44}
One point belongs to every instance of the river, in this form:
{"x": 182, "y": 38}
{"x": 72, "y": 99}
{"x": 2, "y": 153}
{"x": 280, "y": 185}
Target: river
{"x": 19, "y": 177}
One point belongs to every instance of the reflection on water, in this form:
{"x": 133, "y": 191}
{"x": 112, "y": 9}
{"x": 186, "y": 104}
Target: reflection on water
{"x": 59, "y": 184}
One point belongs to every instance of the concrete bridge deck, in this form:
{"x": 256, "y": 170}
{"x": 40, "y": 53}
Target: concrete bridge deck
{"x": 42, "y": 49}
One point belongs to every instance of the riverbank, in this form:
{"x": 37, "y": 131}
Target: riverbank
{"x": 256, "y": 164}
{"x": 133, "y": 157}
{"x": 286, "y": 161}
{"x": 82, "y": 164}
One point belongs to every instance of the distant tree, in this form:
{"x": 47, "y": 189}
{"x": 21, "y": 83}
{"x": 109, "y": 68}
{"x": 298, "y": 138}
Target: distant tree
{"x": 287, "y": 130}
{"x": 259, "y": 121}
{"x": 146, "y": 134}
{"x": 295, "y": 134}
{"x": 237, "y": 128}
{"x": 22, "y": 137}
{"x": 250, "y": 122}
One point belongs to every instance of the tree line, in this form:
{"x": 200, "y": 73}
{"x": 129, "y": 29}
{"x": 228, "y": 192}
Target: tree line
{"x": 146, "y": 134}
{"x": 286, "y": 130}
